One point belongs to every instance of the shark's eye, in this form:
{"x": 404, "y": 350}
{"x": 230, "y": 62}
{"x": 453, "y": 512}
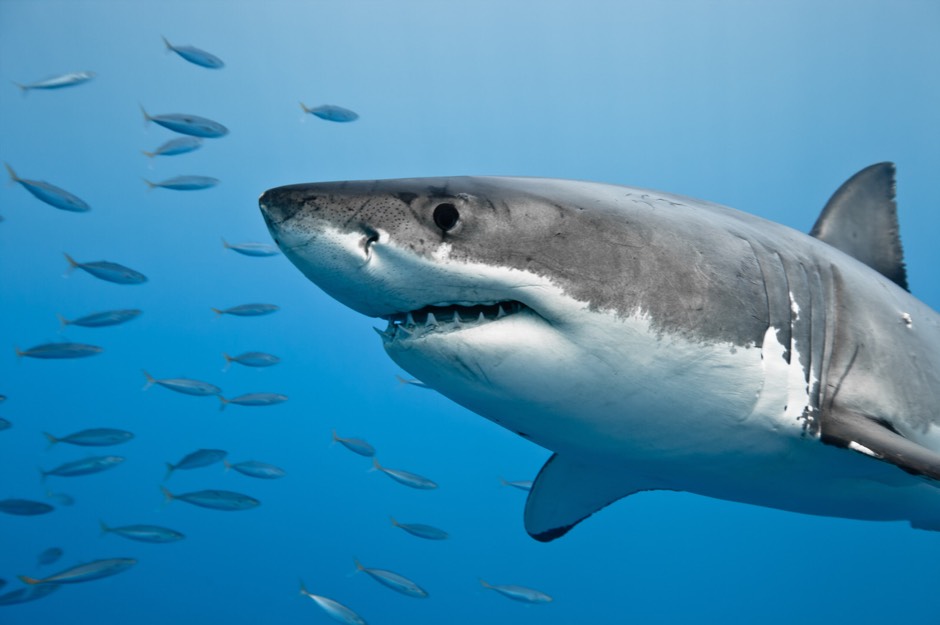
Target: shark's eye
{"x": 446, "y": 216}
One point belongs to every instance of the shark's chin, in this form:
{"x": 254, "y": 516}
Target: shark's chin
{"x": 483, "y": 354}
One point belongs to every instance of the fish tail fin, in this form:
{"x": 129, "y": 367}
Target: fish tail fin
{"x": 23, "y": 88}
{"x": 29, "y": 580}
{"x": 401, "y": 380}
{"x": 13, "y": 176}
{"x": 394, "y": 522}
{"x": 223, "y": 402}
{"x": 167, "y": 495}
{"x": 147, "y": 117}
{"x": 303, "y": 589}
{"x": 52, "y": 439}
{"x": 42, "y": 475}
{"x": 19, "y": 353}
{"x": 358, "y": 564}
{"x": 217, "y": 311}
{"x": 335, "y": 436}
{"x": 63, "y": 321}
{"x": 227, "y": 465}
{"x": 150, "y": 185}
{"x": 375, "y": 464}
{"x": 484, "y": 584}
{"x": 169, "y": 471}
{"x": 228, "y": 362}
{"x": 104, "y": 528}
{"x": 150, "y": 380}
{"x": 304, "y": 107}
{"x": 503, "y": 481}
{"x": 169, "y": 46}
{"x": 148, "y": 154}
{"x": 225, "y": 244}
{"x": 72, "y": 265}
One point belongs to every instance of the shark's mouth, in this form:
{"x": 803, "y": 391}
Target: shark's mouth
{"x": 447, "y": 318}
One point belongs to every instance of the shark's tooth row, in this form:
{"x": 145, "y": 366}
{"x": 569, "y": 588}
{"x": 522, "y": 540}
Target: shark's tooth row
{"x": 405, "y": 326}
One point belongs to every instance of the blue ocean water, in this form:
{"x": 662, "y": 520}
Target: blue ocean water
{"x": 763, "y": 107}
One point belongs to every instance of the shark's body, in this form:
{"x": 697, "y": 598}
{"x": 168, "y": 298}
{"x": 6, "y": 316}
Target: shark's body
{"x": 651, "y": 341}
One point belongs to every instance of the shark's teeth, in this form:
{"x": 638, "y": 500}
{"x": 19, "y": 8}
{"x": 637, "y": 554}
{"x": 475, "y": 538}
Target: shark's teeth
{"x": 445, "y": 317}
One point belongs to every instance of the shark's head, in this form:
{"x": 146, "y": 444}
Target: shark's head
{"x": 500, "y": 292}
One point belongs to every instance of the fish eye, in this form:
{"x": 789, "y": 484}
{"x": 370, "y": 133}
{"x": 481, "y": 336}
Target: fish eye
{"x": 446, "y": 216}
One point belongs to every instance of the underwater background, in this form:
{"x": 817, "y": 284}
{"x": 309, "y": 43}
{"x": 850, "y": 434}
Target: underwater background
{"x": 766, "y": 107}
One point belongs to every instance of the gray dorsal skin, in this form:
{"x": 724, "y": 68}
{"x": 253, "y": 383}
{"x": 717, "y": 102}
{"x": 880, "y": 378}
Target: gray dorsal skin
{"x": 861, "y": 219}
{"x": 652, "y": 341}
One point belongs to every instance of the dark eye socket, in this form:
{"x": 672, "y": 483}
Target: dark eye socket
{"x": 446, "y": 216}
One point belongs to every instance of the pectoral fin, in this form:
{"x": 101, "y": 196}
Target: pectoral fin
{"x": 879, "y": 440}
{"x": 567, "y": 491}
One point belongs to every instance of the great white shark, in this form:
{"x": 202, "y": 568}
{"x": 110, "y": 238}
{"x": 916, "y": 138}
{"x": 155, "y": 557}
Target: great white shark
{"x": 651, "y": 341}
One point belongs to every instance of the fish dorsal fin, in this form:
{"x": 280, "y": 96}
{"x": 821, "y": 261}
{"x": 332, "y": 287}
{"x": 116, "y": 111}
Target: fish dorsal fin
{"x": 861, "y": 219}
{"x": 567, "y": 491}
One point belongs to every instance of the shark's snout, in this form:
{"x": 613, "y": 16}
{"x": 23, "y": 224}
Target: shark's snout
{"x": 279, "y": 205}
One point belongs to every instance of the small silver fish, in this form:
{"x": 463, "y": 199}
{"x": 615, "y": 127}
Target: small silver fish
{"x": 186, "y": 124}
{"x": 85, "y": 572}
{"x": 421, "y": 530}
{"x": 195, "y": 460}
{"x": 248, "y": 310}
{"x": 252, "y": 359}
{"x": 102, "y": 319}
{"x": 143, "y": 533}
{"x": 195, "y": 56}
{"x": 525, "y": 485}
{"x": 331, "y": 112}
{"x": 29, "y": 593}
{"x": 62, "y": 498}
{"x": 260, "y": 470}
{"x": 251, "y": 248}
{"x": 518, "y": 593}
{"x": 413, "y": 382}
{"x": 108, "y": 271}
{"x": 183, "y": 385}
{"x": 86, "y": 466}
{"x": 180, "y": 145}
{"x": 49, "y": 556}
{"x": 56, "y": 351}
{"x": 50, "y": 194}
{"x": 93, "y": 437}
{"x": 334, "y": 609}
{"x": 57, "y": 82}
{"x": 396, "y": 582}
{"x": 184, "y": 183}
{"x": 253, "y": 399}
{"x": 355, "y": 445}
{"x": 404, "y": 477}
{"x": 24, "y": 507}
{"x": 225, "y": 500}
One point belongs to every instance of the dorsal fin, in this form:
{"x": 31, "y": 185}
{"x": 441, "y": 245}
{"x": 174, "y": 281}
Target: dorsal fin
{"x": 861, "y": 219}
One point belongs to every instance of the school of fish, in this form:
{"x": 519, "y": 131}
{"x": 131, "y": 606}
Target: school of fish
{"x": 192, "y": 130}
